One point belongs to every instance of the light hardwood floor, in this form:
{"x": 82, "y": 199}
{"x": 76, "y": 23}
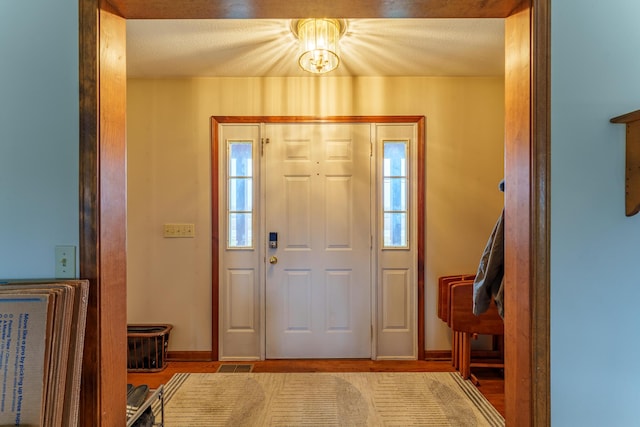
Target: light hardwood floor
{"x": 491, "y": 381}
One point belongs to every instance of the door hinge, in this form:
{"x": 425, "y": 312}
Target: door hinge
{"x": 262, "y": 142}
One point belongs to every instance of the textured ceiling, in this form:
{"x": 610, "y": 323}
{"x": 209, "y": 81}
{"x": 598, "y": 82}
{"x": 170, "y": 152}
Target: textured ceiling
{"x": 267, "y": 48}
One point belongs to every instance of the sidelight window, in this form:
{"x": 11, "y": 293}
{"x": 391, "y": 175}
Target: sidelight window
{"x": 240, "y": 200}
{"x": 394, "y": 194}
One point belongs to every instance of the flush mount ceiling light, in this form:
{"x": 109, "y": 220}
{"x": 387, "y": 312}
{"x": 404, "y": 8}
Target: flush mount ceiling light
{"x": 318, "y": 39}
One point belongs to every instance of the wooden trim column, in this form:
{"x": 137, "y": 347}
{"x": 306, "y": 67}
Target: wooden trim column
{"x": 527, "y": 146}
{"x": 103, "y": 213}
{"x": 540, "y": 231}
{"x": 517, "y": 311}
{"x": 526, "y": 217}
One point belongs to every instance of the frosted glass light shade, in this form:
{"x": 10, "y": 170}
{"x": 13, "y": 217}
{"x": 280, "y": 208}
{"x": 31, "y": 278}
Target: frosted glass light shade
{"x": 319, "y": 45}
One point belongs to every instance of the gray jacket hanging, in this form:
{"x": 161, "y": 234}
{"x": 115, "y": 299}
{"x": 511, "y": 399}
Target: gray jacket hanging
{"x": 490, "y": 276}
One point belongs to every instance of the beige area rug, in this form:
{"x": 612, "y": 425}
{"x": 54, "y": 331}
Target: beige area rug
{"x": 325, "y": 399}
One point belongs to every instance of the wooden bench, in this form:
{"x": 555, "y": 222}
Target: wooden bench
{"x": 465, "y": 326}
{"x": 444, "y": 291}
{"x": 444, "y": 283}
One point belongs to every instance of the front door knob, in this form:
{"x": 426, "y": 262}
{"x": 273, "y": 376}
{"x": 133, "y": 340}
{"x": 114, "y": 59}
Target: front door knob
{"x": 273, "y": 260}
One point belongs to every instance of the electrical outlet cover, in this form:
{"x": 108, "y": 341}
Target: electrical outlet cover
{"x": 65, "y": 262}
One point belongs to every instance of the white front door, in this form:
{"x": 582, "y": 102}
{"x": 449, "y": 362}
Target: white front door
{"x": 343, "y": 202}
{"x": 318, "y": 279}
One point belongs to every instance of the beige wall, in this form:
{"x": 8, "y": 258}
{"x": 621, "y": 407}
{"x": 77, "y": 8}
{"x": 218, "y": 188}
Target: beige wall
{"x": 169, "y": 280}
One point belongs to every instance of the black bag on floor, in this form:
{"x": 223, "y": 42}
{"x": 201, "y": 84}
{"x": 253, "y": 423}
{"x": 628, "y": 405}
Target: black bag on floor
{"x": 135, "y": 398}
{"x": 147, "y": 419}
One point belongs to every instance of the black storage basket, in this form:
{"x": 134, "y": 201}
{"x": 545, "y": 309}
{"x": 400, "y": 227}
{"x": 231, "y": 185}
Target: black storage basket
{"x": 147, "y": 347}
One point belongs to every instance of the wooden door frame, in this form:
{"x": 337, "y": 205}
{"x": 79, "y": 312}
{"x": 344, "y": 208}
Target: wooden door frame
{"x": 419, "y": 121}
{"x": 102, "y": 100}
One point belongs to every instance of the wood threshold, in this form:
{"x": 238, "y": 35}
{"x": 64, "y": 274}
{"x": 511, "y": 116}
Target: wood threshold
{"x": 189, "y": 356}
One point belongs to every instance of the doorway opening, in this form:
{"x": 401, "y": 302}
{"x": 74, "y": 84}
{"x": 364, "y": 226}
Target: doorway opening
{"x": 102, "y": 171}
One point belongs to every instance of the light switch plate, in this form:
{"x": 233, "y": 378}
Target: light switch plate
{"x": 179, "y": 230}
{"x": 65, "y": 262}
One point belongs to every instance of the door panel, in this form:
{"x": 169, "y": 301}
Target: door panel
{"x": 317, "y": 198}
{"x": 239, "y": 246}
{"x": 398, "y": 254}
